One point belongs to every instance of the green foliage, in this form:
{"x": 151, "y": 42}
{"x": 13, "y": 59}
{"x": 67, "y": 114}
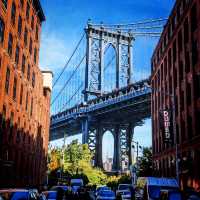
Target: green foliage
{"x": 77, "y": 162}
{"x": 145, "y": 163}
{"x": 124, "y": 179}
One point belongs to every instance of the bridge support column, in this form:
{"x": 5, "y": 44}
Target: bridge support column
{"x": 129, "y": 143}
{"x": 116, "y": 159}
{"x": 98, "y": 152}
{"x": 85, "y": 130}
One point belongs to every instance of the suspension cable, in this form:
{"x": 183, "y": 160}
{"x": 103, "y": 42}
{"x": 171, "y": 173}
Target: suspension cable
{"x": 131, "y": 24}
{"x": 80, "y": 86}
{"x": 69, "y": 60}
{"x": 66, "y": 83}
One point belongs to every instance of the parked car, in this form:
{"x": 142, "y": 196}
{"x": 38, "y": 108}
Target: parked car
{"x": 126, "y": 191}
{"x": 76, "y": 184}
{"x": 106, "y": 195}
{"x": 50, "y": 195}
{"x": 101, "y": 188}
{"x": 152, "y": 187}
{"x": 17, "y": 194}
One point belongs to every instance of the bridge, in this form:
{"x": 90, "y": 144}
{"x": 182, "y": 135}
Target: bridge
{"x": 98, "y": 94}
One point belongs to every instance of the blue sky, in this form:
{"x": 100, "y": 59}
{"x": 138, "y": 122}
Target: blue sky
{"x": 65, "y": 22}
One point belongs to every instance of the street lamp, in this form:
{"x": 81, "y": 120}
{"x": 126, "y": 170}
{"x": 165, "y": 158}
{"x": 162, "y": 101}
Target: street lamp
{"x": 137, "y": 150}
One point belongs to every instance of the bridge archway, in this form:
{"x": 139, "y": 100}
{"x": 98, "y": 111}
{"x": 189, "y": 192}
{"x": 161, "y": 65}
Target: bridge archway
{"x": 107, "y": 150}
{"x": 109, "y": 68}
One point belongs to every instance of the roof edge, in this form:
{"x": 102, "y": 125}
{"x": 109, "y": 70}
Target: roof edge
{"x": 39, "y": 10}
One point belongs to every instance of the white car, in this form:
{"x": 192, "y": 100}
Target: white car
{"x": 124, "y": 191}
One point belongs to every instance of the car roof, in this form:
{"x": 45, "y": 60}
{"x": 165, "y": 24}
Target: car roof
{"x": 168, "y": 182}
{"x": 13, "y": 190}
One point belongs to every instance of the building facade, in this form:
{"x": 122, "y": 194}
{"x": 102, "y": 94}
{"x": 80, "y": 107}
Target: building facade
{"x": 176, "y": 73}
{"x": 24, "y": 95}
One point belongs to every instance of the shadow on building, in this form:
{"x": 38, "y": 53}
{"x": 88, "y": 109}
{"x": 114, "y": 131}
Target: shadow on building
{"x": 22, "y": 156}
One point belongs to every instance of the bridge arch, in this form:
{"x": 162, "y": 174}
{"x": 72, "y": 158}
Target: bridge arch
{"x": 109, "y": 67}
{"x": 107, "y": 150}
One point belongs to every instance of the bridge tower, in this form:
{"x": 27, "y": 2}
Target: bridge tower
{"x": 98, "y": 39}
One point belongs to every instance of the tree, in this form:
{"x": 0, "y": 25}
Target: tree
{"x": 145, "y": 162}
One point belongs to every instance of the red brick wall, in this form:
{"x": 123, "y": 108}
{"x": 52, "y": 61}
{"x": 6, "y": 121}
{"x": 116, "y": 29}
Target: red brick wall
{"x": 178, "y": 73}
{"x": 23, "y": 147}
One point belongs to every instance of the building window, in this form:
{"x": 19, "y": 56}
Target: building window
{"x": 197, "y": 85}
{"x": 35, "y": 55}
{"x": 27, "y": 101}
{"x": 180, "y": 71}
{"x": 10, "y": 43}
{"x": 187, "y": 62}
{"x": 4, "y": 117}
{"x": 194, "y": 18}
{"x": 27, "y": 11}
{"x": 174, "y": 51}
{"x": 15, "y": 88}
{"x": 28, "y": 72}
{"x": 5, "y": 3}
{"x": 189, "y": 94}
{"x": 194, "y": 53}
{"x": 186, "y": 31}
{"x": 2, "y": 28}
{"x": 31, "y": 106}
{"x": 36, "y": 33}
{"x": 32, "y": 22}
{"x": 25, "y": 36}
{"x": 21, "y": 94}
{"x": 180, "y": 46}
{"x": 17, "y": 55}
{"x": 23, "y": 63}
{"x": 20, "y": 25}
{"x": 33, "y": 80}
{"x": 11, "y": 126}
{"x": 22, "y": 3}
{"x": 30, "y": 46}
{"x": 13, "y": 13}
{"x": 7, "y": 83}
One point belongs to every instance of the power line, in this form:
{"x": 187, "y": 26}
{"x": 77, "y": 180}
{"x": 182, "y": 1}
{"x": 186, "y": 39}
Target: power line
{"x": 69, "y": 60}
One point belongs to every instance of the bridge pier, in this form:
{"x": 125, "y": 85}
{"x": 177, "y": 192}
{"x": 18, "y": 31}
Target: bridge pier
{"x": 85, "y": 130}
{"x": 98, "y": 152}
{"x": 116, "y": 159}
{"x": 130, "y": 133}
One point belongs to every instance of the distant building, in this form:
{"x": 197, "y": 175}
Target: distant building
{"x": 107, "y": 165}
{"x": 176, "y": 71}
{"x": 24, "y": 95}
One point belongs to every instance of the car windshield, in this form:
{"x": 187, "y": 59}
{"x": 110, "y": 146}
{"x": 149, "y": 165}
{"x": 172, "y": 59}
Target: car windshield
{"x": 76, "y": 184}
{"x": 51, "y": 195}
{"x": 154, "y": 192}
{"x": 175, "y": 196}
{"x": 103, "y": 188}
{"x": 107, "y": 193}
{"x": 18, "y": 195}
{"x": 123, "y": 187}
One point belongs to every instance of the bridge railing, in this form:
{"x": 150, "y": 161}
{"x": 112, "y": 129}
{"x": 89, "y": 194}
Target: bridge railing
{"x": 115, "y": 97}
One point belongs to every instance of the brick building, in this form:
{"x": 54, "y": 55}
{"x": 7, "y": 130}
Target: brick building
{"x": 24, "y": 95}
{"x": 176, "y": 71}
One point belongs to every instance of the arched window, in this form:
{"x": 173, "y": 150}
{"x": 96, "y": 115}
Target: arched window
{"x": 10, "y": 43}
{"x": 20, "y": 25}
{"x": 2, "y": 28}
{"x": 5, "y": 3}
{"x": 13, "y": 13}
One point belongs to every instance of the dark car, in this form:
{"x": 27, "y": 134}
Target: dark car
{"x": 17, "y": 194}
